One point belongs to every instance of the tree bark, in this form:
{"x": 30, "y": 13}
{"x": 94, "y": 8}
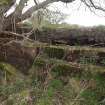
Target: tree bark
{"x": 17, "y": 16}
{"x": 3, "y": 9}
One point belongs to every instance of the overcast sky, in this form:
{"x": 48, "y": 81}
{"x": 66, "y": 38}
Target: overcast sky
{"x": 76, "y": 14}
{"x": 80, "y": 15}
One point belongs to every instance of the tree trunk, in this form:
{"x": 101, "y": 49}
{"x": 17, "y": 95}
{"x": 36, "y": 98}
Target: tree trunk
{"x": 17, "y": 16}
{"x": 3, "y": 9}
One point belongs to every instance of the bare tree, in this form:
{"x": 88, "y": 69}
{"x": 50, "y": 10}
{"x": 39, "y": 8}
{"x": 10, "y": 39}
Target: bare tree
{"x": 17, "y": 15}
{"x": 54, "y": 17}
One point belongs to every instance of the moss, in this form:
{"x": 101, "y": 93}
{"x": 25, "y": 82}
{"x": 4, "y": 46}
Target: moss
{"x": 44, "y": 101}
{"x": 8, "y": 73}
{"x": 96, "y": 95}
{"x": 8, "y": 68}
{"x": 54, "y": 52}
{"x": 65, "y": 70}
{"x": 56, "y": 84}
{"x": 50, "y": 91}
{"x": 5, "y": 2}
{"x": 61, "y": 70}
{"x": 100, "y": 81}
{"x": 91, "y": 97}
{"x": 39, "y": 62}
{"x": 86, "y": 75}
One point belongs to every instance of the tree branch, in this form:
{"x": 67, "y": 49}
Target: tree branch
{"x": 91, "y": 4}
{"x": 18, "y": 16}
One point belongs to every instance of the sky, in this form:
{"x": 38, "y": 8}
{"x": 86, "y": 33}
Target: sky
{"x": 80, "y": 14}
{"x": 77, "y": 14}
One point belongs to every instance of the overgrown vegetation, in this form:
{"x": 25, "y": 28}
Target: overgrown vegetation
{"x": 53, "y": 81}
{"x": 52, "y": 73}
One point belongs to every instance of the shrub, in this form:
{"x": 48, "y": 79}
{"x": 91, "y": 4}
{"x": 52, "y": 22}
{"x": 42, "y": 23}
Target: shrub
{"x": 54, "y": 52}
